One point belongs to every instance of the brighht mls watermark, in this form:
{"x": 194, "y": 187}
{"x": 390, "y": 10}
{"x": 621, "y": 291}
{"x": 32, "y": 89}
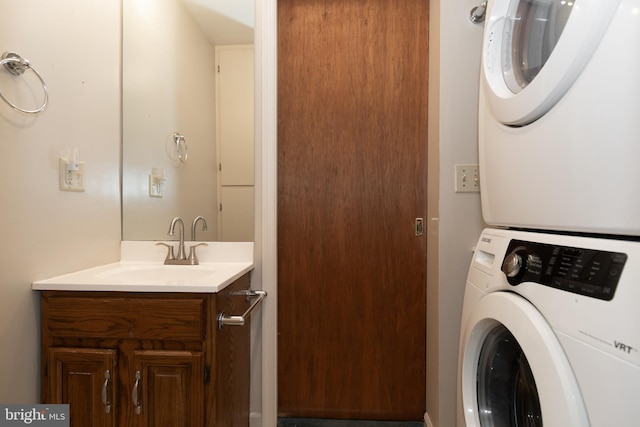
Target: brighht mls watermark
{"x": 37, "y": 415}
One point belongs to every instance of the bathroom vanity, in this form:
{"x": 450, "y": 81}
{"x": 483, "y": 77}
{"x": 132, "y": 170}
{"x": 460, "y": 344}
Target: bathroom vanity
{"x": 155, "y": 356}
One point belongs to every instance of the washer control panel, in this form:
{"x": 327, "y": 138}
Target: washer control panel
{"x": 588, "y": 272}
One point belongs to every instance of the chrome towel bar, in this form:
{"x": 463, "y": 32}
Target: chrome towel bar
{"x": 223, "y": 319}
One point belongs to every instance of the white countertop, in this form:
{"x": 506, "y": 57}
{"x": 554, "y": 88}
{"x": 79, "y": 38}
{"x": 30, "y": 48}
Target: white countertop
{"x": 142, "y": 269}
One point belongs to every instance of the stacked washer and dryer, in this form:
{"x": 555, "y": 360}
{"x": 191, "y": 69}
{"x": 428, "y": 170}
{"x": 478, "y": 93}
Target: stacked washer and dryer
{"x": 550, "y": 332}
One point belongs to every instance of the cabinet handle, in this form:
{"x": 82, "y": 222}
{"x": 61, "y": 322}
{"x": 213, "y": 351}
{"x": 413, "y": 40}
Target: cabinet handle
{"x": 134, "y": 394}
{"x": 105, "y": 402}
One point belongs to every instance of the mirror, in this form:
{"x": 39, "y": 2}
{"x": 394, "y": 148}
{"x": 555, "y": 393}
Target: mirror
{"x": 187, "y": 118}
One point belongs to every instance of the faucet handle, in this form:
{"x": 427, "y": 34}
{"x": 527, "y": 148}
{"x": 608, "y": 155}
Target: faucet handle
{"x": 192, "y": 253}
{"x": 170, "y": 255}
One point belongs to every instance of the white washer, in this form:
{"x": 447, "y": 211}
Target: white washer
{"x": 559, "y": 115}
{"x": 557, "y": 343}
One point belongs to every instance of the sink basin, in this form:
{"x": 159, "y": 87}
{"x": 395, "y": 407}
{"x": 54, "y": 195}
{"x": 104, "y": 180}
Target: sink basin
{"x": 149, "y": 277}
{"x": 172, "y": 274}
{"x": 141, "y": 269}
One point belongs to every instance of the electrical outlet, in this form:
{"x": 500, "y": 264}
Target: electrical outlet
{"x": 71, "y": 175}
{"x": 155, "y": 186}
{"x": 467, "y": 179}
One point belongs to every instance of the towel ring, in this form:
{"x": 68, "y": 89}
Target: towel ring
{"x": 478, "y": 13}
{"x": 17, "y": 65}
{"x": 181, "y": 147}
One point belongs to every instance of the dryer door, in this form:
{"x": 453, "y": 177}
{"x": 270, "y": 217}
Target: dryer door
{"x": 514, "y": 371}
{"x": 533, "y": 50}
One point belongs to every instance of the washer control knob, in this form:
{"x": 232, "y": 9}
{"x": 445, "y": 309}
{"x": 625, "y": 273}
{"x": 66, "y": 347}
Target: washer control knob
{"x": 512, "y": 264}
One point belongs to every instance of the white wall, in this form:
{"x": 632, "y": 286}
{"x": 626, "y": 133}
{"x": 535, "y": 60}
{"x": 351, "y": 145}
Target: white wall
{"x": 169, "y": 86}
{"x": 225, "y": 22}
{"x": 75, "y": 46}
{"x": 456, "y": 220}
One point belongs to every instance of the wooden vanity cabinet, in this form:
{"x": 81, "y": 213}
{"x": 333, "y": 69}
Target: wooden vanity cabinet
{"x": 123, "y": 359}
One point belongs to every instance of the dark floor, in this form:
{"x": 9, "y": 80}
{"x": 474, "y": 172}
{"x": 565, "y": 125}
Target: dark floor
{"x": 313, "y": 422}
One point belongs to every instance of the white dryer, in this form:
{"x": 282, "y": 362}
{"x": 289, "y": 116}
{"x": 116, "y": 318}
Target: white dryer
{"x": 550, "y": 332}
{"x": 559, "y": 115}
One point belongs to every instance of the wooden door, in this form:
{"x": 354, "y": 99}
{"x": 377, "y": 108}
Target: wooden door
{"x": 86, "y": 379}
{"x": 352, "y": 139}
{"x": 168, "y": 387}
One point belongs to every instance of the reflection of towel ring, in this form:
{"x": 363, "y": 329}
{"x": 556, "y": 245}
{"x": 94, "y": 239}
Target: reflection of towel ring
{"x": 17, "y": 65}
{"x": 181, "y": 147}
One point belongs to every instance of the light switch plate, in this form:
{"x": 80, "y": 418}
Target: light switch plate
{"x": 467, "y": 178}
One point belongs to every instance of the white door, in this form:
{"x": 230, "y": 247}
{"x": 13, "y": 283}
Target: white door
{"x": 533, "y": 50}
{"x": 514, "y": 371}
{"x": 235, "y": 141}
{"x": 237, "y": 212}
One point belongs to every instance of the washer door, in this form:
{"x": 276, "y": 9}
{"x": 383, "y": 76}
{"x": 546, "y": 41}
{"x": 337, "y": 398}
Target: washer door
{"x": 514, "y": 371}
{"x": 533, "y": 50}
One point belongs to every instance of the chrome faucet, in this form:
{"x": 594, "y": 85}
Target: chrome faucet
{"x": 181, "y": 253}
{"x": 193, "y": 226}
{"x": 181, "y": 258}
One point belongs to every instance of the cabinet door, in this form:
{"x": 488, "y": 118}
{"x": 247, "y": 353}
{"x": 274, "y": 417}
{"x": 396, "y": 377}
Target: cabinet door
{"x": 85, "y": 379}
{"x": 167, "y": 389}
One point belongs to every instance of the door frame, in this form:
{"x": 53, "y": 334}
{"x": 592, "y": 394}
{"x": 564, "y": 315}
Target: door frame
{"x": 264, "y": 375}
{"x": 264, "y": 366}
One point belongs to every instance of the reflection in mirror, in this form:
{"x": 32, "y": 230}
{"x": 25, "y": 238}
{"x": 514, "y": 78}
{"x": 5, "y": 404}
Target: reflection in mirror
{"x": 187, "y": 118}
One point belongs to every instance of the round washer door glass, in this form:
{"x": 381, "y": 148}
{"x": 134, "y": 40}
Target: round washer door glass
{"x": 499, "y": 386}
{"x": 531, "y": 33}
{"x": 507, "y": 392}
{"x": 534, "y": 50}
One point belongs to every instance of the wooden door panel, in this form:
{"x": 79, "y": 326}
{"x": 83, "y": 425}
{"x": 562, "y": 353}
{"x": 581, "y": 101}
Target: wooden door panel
{"x": 352, "y": 135}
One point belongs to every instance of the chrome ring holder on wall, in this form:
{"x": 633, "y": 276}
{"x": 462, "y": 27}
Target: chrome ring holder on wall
{"x": 17, "y": 65}
{"x": 478, "y": 13}
{"x": 181, "y": 147}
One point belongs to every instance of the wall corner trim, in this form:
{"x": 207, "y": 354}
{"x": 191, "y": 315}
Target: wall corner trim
{"x": 427, "y": 421}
